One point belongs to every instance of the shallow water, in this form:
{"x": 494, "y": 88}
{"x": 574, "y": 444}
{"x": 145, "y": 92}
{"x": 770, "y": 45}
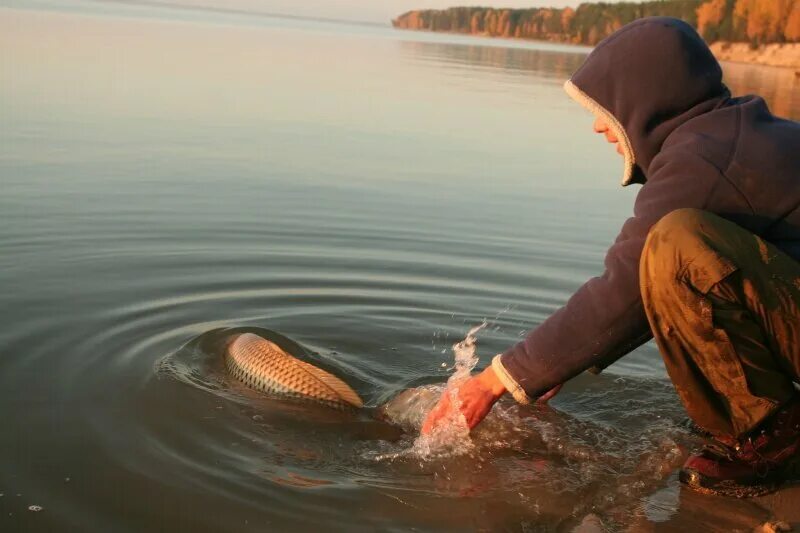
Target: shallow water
{"x": 372, "y": 195}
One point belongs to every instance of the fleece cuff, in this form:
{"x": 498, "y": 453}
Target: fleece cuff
{"x": 509, "y": 382}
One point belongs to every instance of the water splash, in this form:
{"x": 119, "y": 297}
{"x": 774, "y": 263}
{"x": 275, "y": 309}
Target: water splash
{"x": 465, "y": 357}
{"x": 451, "y": 437}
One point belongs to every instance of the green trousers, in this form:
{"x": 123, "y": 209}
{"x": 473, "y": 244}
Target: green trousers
{"x": 724, "y": 307}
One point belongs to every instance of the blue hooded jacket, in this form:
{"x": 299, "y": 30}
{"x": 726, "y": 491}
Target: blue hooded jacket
{"x": 690, "y": 144}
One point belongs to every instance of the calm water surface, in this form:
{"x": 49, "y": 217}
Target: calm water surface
{"x": 371, "y": 194}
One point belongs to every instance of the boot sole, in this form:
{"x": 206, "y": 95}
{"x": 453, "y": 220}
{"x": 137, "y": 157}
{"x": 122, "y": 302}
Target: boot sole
{"x": 749, "y": 488}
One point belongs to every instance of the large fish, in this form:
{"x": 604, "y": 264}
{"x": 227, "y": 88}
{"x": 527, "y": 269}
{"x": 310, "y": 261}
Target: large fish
{"x": 264, "y": 366}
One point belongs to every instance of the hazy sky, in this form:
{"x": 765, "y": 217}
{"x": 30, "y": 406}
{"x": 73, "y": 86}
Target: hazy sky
{"x": 368, "y": 10}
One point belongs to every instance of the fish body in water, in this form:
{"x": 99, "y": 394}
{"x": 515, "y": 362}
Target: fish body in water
{"x": 409, "y": 407}
{"x": 264, "y": 366}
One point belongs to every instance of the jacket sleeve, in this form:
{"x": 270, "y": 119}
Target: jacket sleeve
{"x": 605, "y": 318}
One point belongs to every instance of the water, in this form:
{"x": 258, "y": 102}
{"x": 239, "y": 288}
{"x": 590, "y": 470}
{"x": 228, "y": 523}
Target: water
{"x": 372, "y": 195}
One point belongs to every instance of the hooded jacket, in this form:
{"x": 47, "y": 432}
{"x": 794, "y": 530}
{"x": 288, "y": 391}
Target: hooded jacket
{"x": 690, "y": 144}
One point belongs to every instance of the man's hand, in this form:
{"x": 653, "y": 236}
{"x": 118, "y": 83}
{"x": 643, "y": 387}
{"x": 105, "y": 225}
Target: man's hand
{"x": 477, "y": 396}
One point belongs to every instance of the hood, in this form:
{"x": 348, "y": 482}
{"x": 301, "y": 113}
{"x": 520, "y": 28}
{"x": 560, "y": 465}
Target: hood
{"x": 646, "y": 80}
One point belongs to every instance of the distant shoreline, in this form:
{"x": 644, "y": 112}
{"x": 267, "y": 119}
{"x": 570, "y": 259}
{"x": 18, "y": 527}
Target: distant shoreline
{"x": 785, "y": 55}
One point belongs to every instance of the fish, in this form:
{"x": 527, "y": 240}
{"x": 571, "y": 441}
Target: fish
{"x": 264, "y": 366}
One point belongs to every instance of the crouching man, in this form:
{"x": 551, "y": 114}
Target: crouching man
{"x": 708, "y": 264}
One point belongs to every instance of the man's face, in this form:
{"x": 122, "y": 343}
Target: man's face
{"x": 601, "y": 126}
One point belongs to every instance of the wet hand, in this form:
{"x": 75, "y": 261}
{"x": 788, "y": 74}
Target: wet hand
{"x": 477, "y": 395}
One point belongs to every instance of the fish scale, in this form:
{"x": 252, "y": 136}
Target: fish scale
{"x": 263, "y": 366}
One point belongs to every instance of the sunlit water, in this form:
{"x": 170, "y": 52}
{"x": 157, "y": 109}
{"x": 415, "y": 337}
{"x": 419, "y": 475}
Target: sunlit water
{"x": 372, "y": 195}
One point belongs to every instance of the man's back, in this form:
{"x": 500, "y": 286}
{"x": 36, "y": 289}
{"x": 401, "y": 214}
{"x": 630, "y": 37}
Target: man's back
{"x": 758, "y": 158}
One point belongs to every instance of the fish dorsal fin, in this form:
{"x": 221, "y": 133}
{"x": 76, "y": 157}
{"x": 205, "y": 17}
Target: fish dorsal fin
{"x": 336, "y": 385}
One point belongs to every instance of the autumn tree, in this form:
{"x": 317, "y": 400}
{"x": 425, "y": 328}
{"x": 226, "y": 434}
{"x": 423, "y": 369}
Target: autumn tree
{"x": 792, "y": 30}
{"x": 764, "y": 20}
{"x": 709, "y": 17}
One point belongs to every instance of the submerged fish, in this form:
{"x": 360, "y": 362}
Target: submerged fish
{"x": 262, "y": 365}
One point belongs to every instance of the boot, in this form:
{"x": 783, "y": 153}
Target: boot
{"x": 753, "y": 466}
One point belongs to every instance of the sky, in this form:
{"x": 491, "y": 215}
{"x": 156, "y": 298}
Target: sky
{"x": 367, "y": 10}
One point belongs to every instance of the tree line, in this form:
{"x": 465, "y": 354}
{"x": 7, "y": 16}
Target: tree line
{"x": 754, "y": 21}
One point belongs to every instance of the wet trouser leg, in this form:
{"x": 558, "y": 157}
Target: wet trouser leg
{"x": 724, "y": 307}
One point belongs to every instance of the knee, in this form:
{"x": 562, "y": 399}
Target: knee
{"x": 677, "y": 226}
{"x": 674, "y": 234}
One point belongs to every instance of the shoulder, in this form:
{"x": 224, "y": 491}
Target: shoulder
{"x": 743, "y": 133}
{"x": 767, "y": 144}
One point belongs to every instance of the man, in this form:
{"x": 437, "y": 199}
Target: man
{"x": 708, "y": 264}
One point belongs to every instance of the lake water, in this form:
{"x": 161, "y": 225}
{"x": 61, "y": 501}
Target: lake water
{"x": 370, "y": 193}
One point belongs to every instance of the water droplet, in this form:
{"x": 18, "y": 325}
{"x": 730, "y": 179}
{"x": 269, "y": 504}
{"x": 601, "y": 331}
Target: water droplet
{"x": 35, "y": 508}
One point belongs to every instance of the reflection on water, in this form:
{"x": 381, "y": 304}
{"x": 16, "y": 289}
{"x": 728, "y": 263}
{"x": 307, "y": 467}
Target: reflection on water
{"x": 544, "y": 64}
{"x": 372, "y": 194}
{"x": 780, "y": 87}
